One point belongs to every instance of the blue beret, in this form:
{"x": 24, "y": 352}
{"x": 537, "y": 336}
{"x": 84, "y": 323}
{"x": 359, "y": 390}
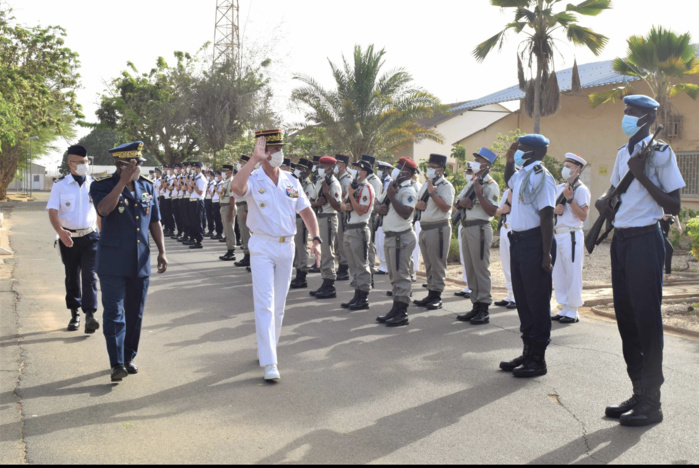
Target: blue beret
{"x": 487, "y": 154}
{"x": 534, "y": 140}
{"x": 639, "y": 100}
{"x": 369, "y": 158}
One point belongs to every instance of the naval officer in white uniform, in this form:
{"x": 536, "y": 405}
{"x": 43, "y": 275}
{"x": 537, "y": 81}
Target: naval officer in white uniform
{"x": 274, "y": 197}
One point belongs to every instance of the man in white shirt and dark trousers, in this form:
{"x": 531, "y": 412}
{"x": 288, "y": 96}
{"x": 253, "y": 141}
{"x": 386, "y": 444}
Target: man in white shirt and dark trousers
{"x": 503, "y": 212}
{"x": 196, "y": 201}
{"x": 570, "y": 216}
{"x": 73, "y": 217}
{"x": 274, "y": 197}
{"x": 638, "y": 254}
{"x": 532, "y": 250}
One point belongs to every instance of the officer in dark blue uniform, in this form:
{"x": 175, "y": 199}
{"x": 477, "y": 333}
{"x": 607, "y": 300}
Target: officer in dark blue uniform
{"x": 125, "y": 202}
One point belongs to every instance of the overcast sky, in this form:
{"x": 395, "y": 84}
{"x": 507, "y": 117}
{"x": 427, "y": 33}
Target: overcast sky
{"x": 433, "y": 40}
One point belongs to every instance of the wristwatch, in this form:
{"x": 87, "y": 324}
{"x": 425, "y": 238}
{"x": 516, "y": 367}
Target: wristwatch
{"x": 316, "y": 238}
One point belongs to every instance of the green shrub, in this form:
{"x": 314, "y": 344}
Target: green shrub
{"x": 453, "y": 256}
{"x": 693, "y": 232}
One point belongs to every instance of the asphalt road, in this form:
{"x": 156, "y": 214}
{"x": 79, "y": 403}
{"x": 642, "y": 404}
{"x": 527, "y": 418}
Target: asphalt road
{"x": 352, "y": 391}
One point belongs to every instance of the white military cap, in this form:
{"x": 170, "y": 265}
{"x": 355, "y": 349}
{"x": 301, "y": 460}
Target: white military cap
{"x": 576, "y": 158}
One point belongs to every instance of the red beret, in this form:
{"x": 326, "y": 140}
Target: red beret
{"x": 409, "y": 163}
{"x": 327, "y": 160}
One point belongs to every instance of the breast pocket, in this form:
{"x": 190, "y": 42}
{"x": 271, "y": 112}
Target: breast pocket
{"x": 68, "y": 203}
{"x": 262, "y": 200}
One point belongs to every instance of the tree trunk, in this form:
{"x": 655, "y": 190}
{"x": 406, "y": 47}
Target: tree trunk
{"x": 536, "y": 115}
{"x": 8, "y": 167}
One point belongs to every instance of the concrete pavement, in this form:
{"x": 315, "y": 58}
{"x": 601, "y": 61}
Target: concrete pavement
{"x": 351, "y": 391}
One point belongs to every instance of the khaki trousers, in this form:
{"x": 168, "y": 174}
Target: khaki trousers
{"x": 372, "y": 243}
{"x": 241, "y": 213}
{"x": 228, "y": 229}
{"x": 435, "y": 259}
{"x": 399, "y": 264}
{"x": 301, "y": 241}
{"x": 477, "y": 269}
{"x": 328, "y": 232}
{"x": 340, "y": 243}
{"x": 356, "y": 244}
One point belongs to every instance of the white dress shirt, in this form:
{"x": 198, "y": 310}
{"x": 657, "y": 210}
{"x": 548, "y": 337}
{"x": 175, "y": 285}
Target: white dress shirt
{"x": 525, "y": 212}
{"x": 272, "y": 208}
{"x": 581, "y": 196}
{"x": 638, "y": 208}
{"x": 73, "y": 203}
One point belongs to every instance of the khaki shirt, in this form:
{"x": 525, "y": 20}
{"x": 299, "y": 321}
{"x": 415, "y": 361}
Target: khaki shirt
{"x": 345, "y": 181}
{"x": 334, "y": 191}
{"x": 444, "y": 190}
{"x": 226, "y": 191}
{"x": 491, "y": 192}
{"x": 393, "y": 222}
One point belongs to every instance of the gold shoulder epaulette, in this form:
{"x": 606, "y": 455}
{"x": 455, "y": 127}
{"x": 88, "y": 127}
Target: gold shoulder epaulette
{"x": 104, "y": 177}
{"x": 147, "y": 178}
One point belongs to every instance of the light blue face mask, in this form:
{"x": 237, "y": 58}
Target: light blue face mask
{"x": 519, "y": 157}
{"x": 629, "y": 124}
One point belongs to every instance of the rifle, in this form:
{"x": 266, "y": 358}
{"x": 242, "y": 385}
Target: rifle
{"x": 562, "y": 199}
{"x": 386, "y": 202}
{"x": 471, "y": 195}
{"x": 328, "y": 180}
{"x": 613, "y": 197}
{"x": 424, "y": 198}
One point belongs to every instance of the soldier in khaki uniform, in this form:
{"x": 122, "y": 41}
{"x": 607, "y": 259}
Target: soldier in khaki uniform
{"x": 477, "y": 235}
{"x": 400, "y": 239}
{"x": 434, "y": 206}
{"x": 345, "y": 179}
{"x": 227, "y": 210}
{"x": 377, "y": 185}
{"x": 327, "y": 205}
{"x": 241, "y": 206}
{"x": 302, "y": 173}
{"x": 358, "y": 205}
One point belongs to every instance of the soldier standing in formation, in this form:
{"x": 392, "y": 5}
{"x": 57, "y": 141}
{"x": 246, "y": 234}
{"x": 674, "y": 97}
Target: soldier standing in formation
{"x": 569, "y": 219}
{"x": 241, "y": 206}
{"x": 345, "y": 179}
{"x": 377, "y": 185}
{"x": 302, "y": 172}
{"x": 384, "y": 174}
{"x": 477, "y": 234}
{"x": 503, "y": 213}
{"x": 435, "y": 233}
{"x": 227, "y": 212}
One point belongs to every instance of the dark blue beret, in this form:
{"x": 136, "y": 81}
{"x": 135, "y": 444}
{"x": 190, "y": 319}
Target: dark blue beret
{"x": 639, "y": 100}
{"x": 534, "y": 140}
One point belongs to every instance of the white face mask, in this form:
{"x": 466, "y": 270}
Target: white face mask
{"x": 379, "y": 173}
{"x": 395, "y": 173}
{"x": 277, "y": 159}
{"x": 313, "y": 169}
{"x": 81, "y": 169}
{"x": 353, "y": 173}
{"x": 431, "y": 172}
{"x": 321, "y": 172}
{"x": 297, "y": 173}
{"x": 566, "y": 173}
{"x": 137, "y": 174}
{"x": 475, "y": 166}
{"x": 336, "y": 170}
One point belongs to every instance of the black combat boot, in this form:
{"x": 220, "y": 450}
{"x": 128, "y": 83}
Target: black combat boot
{"x": 322, "y": 286}
{"x": 91, "y": 325}
{"x": 467, "y": 317}
{"x": 228, "y": 257}
{"x": 314, "y": 269}
{"x": 343, "y": 273}
{"x": 328, "y": 291}
{"x": 436, "y": 302}
{"x": 346, "y": 305}
{"x": 646, "y": 412}
{"x": 509, "y": 366}
{"x": 300, "y": 280}
{"x": 425, "y": 301}
{"x": 626, "y": 406}
{"x": 245, "y": 262}
{"x": 483, "y": 317}
{"x": 362, "y": 301}
{"x": 74, "y": 323}
{"x": 401, "y": 316}
{"x": 391, "y": 313}
{"x": 535, "y": 365}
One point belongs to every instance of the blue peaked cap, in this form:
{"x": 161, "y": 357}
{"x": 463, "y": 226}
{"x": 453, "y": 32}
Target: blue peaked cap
{"x": 642, "y": 101}
{"x": 487, "y": 154}
{"x": 534, "y": 139}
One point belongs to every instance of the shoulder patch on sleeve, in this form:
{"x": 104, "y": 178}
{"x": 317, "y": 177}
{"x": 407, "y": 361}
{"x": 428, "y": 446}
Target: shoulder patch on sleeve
{"x": 104, "y": 177}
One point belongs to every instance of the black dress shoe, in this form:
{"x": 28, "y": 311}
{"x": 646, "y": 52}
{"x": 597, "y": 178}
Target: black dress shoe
{"x": 557, "y": 317}
{"x": 502, "y": 303}
{"x": 646, "y": 412}
{"x": 131, "y": 367}
{"x": 74, "y": 323}
{"x": 511, "y": 305}
{"x": 119, "y": 372}
{"x": 196, "y": 245}
{"x": 568, "y": 320}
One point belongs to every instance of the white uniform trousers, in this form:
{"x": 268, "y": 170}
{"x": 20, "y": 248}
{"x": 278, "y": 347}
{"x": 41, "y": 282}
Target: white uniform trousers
{"x": 463, "y": 266}
{"x": 505, "y": 259}
{"x": 271, "y": 263}
{"x": 379, "y": 239}
{"x": 416, "y": 252}
{"x": 567, "y": 275}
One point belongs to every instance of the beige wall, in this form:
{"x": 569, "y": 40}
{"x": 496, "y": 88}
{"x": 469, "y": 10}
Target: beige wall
{"x": 595, "y": 134}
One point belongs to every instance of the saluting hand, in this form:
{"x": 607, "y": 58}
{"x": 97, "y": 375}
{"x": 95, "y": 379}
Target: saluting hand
{"x": 259, "y": 153}
{"x": 128, "y": 171}
{"x": 510, "y": 155}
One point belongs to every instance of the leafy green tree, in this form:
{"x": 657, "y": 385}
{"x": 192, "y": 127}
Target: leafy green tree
{"x": 539, "y": 22}
{"x": 663, "y": 60}
{"x": 309, "y": 142}
{"x": 156, "y": 108}
{"x": 38, "y": 79}
{"x": 368, "y": 112}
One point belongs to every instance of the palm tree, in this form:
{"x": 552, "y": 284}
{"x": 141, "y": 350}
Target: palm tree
{"x": 538, "y": 21}
{"x": 663, "y": 60}
{"x": 368, "y": 112}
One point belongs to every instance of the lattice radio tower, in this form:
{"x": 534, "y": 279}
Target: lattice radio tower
{"x": 226, "y": 33}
